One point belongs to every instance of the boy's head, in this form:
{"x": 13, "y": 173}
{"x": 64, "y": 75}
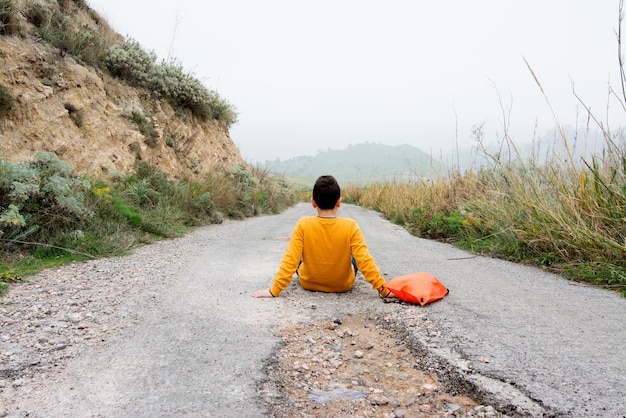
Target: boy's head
{"x": 326, "y": 192}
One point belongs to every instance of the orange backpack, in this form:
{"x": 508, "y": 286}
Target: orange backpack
{"x": 419, "y": 288}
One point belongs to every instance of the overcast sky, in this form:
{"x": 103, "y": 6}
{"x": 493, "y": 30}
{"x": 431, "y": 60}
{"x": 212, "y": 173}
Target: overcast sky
{"x": 311, "y": 75}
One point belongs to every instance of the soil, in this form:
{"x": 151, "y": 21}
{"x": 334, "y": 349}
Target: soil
{"x": 354, "y": 366}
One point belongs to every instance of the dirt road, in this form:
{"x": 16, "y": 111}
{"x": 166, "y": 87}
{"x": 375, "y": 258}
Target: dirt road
{"x": 184, "y": 338}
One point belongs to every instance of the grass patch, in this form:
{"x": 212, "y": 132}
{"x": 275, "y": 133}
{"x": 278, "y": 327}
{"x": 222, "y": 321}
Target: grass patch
{"x": 8, "y": 18}
{"x": 606, "y": 275}
{"x": 77, "y": 115}
{"x": 563, "y": 215}
{"x": 146, "y": 127}
{"x": 49, "y": 216}
{"x": 6, "y": 101}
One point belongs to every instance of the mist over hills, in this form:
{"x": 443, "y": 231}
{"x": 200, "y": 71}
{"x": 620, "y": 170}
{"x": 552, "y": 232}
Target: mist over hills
{"x": 362, "y": 164}
{"x": 367, "y": 163}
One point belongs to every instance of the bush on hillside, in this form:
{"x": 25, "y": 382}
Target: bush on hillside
{"x": 146, "y": 127}
{"x": 80, "y": 38}
{"x": 65, "y": 25}
{"x": 128, "y": 61}
{"x": 6, "y": 101}
{"x": 167, "y": 80}
{"x": 40, "y": 196}
{"x": 8, "y": 21}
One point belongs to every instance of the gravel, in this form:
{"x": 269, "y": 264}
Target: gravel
{"x": 172, "y": 331}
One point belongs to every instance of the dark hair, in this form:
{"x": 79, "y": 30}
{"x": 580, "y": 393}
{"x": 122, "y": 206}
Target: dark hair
{"x": 326, "y": 192}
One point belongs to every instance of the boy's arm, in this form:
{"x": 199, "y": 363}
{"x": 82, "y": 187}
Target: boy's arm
{"x": 288, "y": 266}
{"x": 366, "y": 264}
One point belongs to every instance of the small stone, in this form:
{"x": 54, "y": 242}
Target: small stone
{"x": 399, "y": 413}
{"x": 429, "y": 386}
{"x": 358, "y": 354}
{"x": 396, "y": 403}
{"x": 378, "y": 399}
{"x": 454, "y": 408}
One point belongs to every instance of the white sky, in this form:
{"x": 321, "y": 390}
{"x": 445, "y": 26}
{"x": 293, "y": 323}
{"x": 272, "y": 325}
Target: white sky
{"x": 308, "y": 75}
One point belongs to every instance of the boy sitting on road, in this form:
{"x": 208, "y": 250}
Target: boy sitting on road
{"x": 325, "y": 250}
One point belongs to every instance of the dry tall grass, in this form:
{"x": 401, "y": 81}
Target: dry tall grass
{"x": 570, "y": 216}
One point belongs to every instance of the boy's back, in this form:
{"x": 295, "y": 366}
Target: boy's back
{"x": 326, "y": 250}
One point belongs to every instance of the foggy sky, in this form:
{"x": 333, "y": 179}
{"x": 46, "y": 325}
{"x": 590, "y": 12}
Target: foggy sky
{"x": 312, "y": 75}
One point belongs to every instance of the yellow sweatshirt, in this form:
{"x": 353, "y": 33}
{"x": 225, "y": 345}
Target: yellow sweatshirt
{"x": 325, "y": 246}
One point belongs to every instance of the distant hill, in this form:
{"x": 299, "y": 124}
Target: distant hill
{"x": 361, "y": 164}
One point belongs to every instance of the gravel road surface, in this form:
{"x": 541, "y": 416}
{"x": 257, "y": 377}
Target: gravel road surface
{"x": 172, "y": 330}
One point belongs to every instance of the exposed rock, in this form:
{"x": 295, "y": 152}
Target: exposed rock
{"x": 45, "y": 85}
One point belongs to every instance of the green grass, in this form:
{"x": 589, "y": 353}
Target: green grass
{"x": 563, "y": 215}
{"x": 67, "y": 218}
{"x": 14, "y": 270}
{"x": 6, "y": 101}
{"x": 146, "y": 127}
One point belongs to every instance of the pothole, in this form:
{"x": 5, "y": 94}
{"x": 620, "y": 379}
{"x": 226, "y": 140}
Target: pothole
{"x": 353, "y": 366}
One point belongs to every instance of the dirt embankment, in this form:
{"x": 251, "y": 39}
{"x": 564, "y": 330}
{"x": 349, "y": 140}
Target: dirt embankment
{"x": 86, "y": 117}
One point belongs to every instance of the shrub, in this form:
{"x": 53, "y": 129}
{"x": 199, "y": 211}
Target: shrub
{"x": 41, "y": 196}
{"x": 67, "y": 218}
{"x": 127, "y": 60}
{"x": 38, "y": 14}
{"x": 8, "y": 21}
{"x": 6, "y": 101}
{"x": 182, "y": 90}
{"x": 80, "y": 38}
{"x": 77, "y": 115}
{"x": 146, "y": 127}
{"x": 64, "y": 4}
{"x": 167, "y": 80}
{"x": 141, "y": 193}
{"x": 76, "y": 29}
{"x": 436, "y": 225}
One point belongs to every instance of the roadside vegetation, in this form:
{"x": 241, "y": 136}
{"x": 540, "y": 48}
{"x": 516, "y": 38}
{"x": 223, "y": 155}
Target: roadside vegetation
{"x": 50, "y": 216}
{"x": 563, "y": 212}
{"x": 74, "y": 28}
{"x": 564, "y": 215}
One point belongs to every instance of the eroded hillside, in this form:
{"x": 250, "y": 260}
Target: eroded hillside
{"x": 90, "y": 119}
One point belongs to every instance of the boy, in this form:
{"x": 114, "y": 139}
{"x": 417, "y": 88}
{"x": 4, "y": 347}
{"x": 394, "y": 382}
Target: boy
{"x": 322, "y": 247}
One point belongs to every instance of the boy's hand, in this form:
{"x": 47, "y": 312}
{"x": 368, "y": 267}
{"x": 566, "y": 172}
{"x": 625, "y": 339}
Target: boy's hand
{"x": 391, "y": 298}
{"x": 265, "y": 293}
